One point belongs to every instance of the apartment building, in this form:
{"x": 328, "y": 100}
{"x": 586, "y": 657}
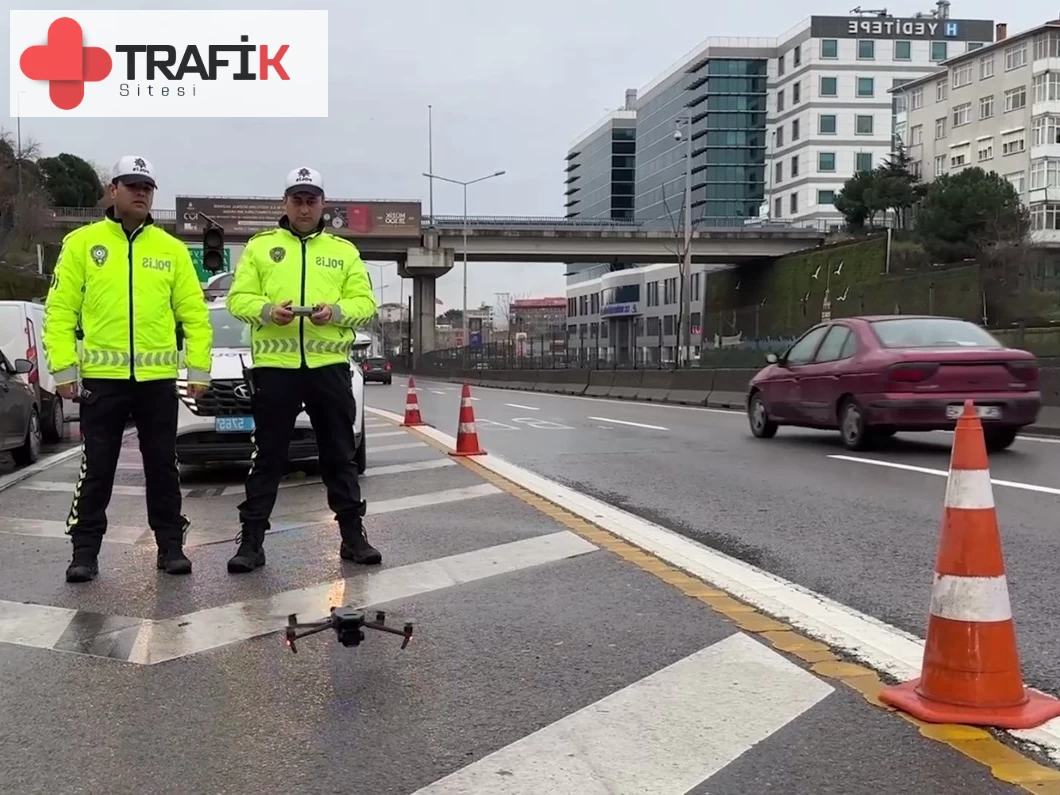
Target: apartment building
{"x": 999, "y": 109}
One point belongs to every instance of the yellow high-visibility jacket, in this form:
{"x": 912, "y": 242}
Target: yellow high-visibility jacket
{"x": 127, "y": 292}
{"x": 276, "y": 266}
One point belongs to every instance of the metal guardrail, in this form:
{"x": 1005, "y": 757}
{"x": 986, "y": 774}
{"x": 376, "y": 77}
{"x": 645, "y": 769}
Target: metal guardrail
{"x": 515, "y": 222}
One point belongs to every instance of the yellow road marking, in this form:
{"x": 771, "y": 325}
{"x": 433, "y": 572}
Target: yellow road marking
{"x": 1005, "y": 763}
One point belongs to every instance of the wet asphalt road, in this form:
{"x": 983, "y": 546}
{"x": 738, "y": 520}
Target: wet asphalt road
{"x": 860, "y": 533}
{"x": 525, "y": 635}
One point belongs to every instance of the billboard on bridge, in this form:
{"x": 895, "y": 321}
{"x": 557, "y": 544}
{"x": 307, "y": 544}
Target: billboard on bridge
{"x": 347, "y": 218}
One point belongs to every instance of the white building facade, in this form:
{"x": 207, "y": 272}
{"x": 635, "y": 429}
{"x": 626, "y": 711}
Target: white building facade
{"x": 831, "y": 113}
{"x": 998, "y": 109}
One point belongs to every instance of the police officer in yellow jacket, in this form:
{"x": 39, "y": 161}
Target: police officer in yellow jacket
{"x": 126, "y": 283}
{"x": 302, "y": 359}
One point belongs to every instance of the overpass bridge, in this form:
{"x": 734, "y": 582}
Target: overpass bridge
{"x": 425, "y": 248}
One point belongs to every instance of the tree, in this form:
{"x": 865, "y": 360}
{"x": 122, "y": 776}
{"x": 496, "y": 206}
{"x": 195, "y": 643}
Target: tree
{"x": 857, "y": 201}
{"x": 70, "y": 181}
{"x": 964, "y": 214}
{"x": 23, "y": 202}
{"x": 890, "y": 186}
{"x": 679, "y": 250}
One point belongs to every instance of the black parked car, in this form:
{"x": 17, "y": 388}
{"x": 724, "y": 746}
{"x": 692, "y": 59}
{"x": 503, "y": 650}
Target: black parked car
{"x": 376, "y": 368}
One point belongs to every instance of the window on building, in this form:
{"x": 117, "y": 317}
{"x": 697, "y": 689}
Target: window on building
{"x": 940, "y": 91}
{"x": 1045, "y": 216}
{"x": 986, "y": 107}
{"x": 959, "y": 158}
{"x": 903, "y": 50}
{"x": 866, "y": 49}
{"x": 1046, "y": 45}
{"x": 778, "y": 136}
{"x": 829, "y": 48}
{"x": 939, "y": 50}
{"x": 940, "y": 128}
{"x": 962, "y": 76}
{"x": 1015, "y": 99}
{"x": 863, "y": 161}
{"x": 778, "y": 208}
{"x": 1045, "y": 173}
{"x": 974, "y": 45}
{"x": 863, "y": 124}
{"x": 866, "y": 86}
{"x": 1046, "y": 87}
{"x": 794, "y": 168}
{"x": 793, "y": 202}
{"x": 1013, "y": 146}
{"x": 796, "y": 93}
{"x": 1015, "y": 57}
{"x": 780, "y": 65}
{"x": 796, "y": 56}
{"x": 986, "y": 151}
{"x": 916, "y": 99}
{"x": 780, "y": 101}
{"x": 826, "y": 197}
{"x": 962, "y": 114}
{"x": 829, "y": 87}
{"x": 826, "y": 124}
{"x": 916, "y": 135}
{"x": 1018, "y": 180}
{"x": 1046, "y": 130}
{"x": 794, "y": 129}
{"x": 778, "y": 172}
{"x": 940, "y": 165}
{"x": 826, "y": 161}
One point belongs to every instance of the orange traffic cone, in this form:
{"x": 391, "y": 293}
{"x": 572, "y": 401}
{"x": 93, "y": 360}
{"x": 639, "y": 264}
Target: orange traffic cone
{"x": 466, "y": 435}
{"x": 412, "y": 407}
{"x": 971, "y": 668}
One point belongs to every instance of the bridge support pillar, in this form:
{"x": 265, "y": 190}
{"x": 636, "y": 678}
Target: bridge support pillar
{"x": 424, "y": 266}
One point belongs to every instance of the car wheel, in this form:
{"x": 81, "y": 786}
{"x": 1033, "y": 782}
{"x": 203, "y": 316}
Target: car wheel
{"x": 998, "y": 439}
{"x": 361, "y": 459}
{"x": 29, "y": 452}
{"x": 855, "y": 432}
{"x": 53, "y": 426}
{"x": 761, "y": 426}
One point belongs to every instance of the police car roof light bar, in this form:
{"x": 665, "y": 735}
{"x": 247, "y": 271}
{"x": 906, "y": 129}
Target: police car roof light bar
{"x": 348, "y": 624}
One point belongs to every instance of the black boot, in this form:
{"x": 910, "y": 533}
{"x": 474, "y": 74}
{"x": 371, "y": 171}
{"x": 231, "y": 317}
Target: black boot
{"x": 84, "y": 567}
{"x": 251, "y": 553}
{"x": 355, "y": 546}
{"x": 171, "y": 557}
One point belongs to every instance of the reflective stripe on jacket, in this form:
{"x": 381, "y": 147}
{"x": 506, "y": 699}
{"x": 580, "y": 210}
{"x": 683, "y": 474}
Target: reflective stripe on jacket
{"x": 320, "y": 268}
{"x": 127, "y": 292}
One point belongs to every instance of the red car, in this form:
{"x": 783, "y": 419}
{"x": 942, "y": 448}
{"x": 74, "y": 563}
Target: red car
{"x": 870, "y": 377}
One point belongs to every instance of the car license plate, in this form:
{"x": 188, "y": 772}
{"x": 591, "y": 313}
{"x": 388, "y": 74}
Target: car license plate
{"x": 234, "y": 424}
{"x": 985, "y": 412}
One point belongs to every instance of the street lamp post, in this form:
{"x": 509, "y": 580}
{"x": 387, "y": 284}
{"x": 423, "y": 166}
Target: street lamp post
{"x": 464, "y": 184}
{"x": 685, "y": 325}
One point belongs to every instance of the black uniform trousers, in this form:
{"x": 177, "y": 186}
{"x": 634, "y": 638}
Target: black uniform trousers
{"x": 106, "y": 406}
{"x": 280, "y": 394}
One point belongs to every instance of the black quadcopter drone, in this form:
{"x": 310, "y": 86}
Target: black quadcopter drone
{"x": 348, "y": 624}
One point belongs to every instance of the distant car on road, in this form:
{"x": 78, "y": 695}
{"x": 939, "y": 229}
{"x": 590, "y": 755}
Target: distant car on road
{"x": 871, "y": 377}
{"x": 376, "y": 369}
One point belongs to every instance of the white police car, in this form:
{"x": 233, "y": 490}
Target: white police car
{"x": 216, "y": 428}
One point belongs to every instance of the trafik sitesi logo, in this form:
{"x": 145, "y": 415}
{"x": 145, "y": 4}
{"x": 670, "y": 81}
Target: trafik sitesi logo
{"x": 65, "y": 63}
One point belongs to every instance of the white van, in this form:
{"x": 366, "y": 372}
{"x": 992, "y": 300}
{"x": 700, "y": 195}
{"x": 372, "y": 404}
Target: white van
{"x": 21, "y": 323}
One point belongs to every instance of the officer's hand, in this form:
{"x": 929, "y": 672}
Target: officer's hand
{"x": 322, "y": 316}
{"x": 196, "y": 391}
{"x": 282, "y": 314}
{"x": 67, "y": 391}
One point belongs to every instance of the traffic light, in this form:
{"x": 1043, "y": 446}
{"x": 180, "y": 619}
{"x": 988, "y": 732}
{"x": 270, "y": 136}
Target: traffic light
{"x": 213, "y": 248}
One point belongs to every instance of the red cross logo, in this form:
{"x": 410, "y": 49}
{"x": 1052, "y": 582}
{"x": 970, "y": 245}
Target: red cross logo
{"x": 65, "y": 63}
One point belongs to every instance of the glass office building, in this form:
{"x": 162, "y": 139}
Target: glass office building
{"x": 722, "y": 91}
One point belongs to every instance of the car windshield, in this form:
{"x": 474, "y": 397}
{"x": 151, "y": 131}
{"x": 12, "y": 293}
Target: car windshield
{"x": 932, "y": 332}
{"x": 227, "y": 331}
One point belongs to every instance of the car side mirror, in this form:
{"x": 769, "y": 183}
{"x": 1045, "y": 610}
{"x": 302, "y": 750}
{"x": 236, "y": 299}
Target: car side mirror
{"x": 772, "y": 358}
{"x": 23, "y": 366}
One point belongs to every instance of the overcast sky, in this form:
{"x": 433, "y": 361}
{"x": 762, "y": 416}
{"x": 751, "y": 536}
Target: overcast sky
{"x": 512, "y": 85}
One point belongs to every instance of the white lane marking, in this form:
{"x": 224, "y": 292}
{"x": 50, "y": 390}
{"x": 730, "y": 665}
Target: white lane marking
{"x": 168, "y": 639}
{"x": 437, "y": 391}
{"x": 386, "y": 448}
{"x": 1012, "y": 484}
{"x": 876, "y": 643}
{"x": 542, "y": 425}
{"x": 391, "y": 469}
{"x": 43, "y": 464}
{"x": 654, "y": 737}
{"x": 521, "y": 406}
{"x": 383, "y": 434}
{"x": 119, "y": 490}
{"x": 47, "y": 528}
{"x": 633, "y": 424}
{"x": 36, "y": 626}
{"x": 500, "y": 426}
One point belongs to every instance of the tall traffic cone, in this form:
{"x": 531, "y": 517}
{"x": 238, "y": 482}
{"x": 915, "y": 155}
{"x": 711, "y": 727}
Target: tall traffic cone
{"x": 466, "y": 435}
{"x": 971, "y": 667}
{"x": 412, "y": 407}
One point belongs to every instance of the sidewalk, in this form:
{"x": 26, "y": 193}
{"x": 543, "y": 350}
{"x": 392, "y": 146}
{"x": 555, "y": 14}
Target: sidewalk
{"x": 531, "y": 626}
